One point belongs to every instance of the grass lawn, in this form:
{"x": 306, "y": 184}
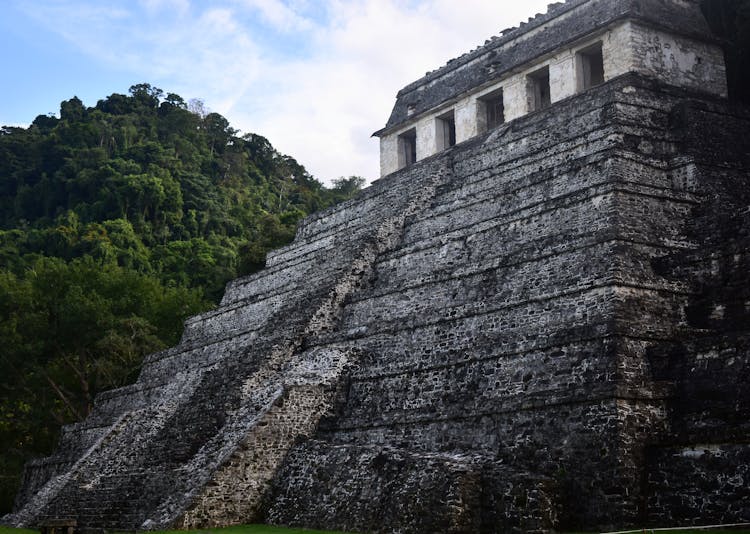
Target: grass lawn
{"x": 683, "y": 531}
{"x": 9, "y": 530}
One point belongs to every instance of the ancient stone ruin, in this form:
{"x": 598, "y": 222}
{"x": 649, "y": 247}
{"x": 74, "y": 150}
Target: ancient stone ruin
{"x": 537, "y": 319}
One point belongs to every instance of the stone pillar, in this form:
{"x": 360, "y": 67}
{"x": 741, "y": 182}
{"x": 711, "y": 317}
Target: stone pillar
{"x": 466, "y": 115}
{"x": 388, "y": 154}
{"x": 515, "y": 98}
{"x": 562, "y": 77}
{"x": 426, "y": 139}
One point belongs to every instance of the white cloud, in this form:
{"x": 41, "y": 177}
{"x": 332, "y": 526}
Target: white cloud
{"x": 281, "y": 16}
{"x": 316, "y": 78}
{"x": 327, "y": 106}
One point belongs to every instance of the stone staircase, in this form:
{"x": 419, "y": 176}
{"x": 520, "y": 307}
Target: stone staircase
{"x": 167, "y": 448}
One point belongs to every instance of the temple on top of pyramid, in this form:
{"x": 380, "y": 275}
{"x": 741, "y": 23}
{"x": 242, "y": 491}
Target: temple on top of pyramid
{"x": 574, "y": 46}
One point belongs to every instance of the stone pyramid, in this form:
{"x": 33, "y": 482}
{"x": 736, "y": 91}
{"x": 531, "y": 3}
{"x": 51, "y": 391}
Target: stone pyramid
{"x": 542, "y": 326}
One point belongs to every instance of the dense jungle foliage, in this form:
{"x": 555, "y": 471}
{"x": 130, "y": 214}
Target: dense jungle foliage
{"x": 117, "y": 222}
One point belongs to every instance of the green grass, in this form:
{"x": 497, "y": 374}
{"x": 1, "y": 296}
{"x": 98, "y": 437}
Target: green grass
{"x": 703, "y": 531}
{"x": 9, "y": 530}
{"x": 685, "y": 531}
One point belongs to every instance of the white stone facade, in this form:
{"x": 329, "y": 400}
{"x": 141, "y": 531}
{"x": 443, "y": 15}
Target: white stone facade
{"x": 625, "y": 47}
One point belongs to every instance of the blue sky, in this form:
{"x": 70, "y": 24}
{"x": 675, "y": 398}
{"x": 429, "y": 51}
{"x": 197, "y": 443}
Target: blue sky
{"x": 316, "y": 77}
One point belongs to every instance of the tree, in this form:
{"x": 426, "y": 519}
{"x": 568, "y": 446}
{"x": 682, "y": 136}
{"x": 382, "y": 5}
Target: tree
{"x": 218, "y": 132}
{"x": 146, "y": 95}
{"x": 175, "y": 100}
{"x": 68, "y": 331}
{"x": 348, "y": 186}
{"x": 198, "y": 107}
{"x": 72, "y": 110}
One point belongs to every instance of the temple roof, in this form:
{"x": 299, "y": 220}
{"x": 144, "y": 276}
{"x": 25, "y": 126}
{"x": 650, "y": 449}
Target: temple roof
{"x": 563, "y": 23}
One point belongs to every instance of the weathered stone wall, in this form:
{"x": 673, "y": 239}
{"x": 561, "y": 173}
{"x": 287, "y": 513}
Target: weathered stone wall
{"x": 396, "y": 491}
{"x": 699, "y": 483}
{"x": 698, "y": 471}
{"x": 520, "y": 333}
{"x": 665, "y": 39}
{"x": 518, "y": 320}
{"x": 628, "y": 44}
{"x": 545, "y": 34}
{"x": 235, "y": 491}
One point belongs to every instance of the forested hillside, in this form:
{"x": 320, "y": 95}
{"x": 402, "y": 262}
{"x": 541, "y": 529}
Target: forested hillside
{"x": 116, "y": 223}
